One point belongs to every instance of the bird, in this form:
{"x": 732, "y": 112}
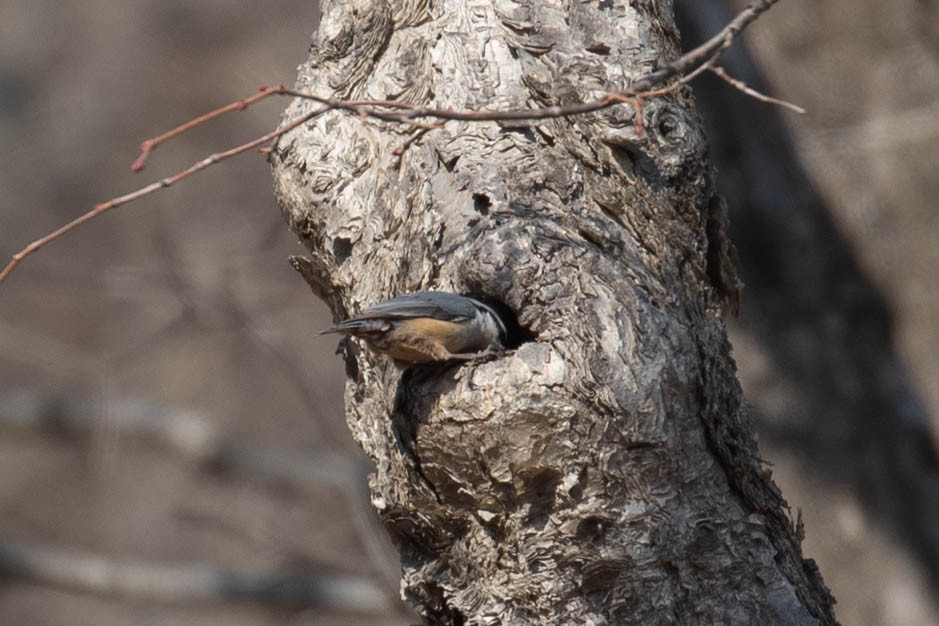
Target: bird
{"x": 428, "y": 326}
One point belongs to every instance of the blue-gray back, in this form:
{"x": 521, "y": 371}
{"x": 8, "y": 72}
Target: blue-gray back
{"x": 439, "y": 305}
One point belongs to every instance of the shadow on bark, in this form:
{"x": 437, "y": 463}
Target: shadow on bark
{"x": 856, "y": 419}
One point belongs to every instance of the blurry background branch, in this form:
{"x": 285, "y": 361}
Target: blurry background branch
{"x": 198, "y": 440}
{"x": 180, "y": 583}
{"x": 179, "y": 432}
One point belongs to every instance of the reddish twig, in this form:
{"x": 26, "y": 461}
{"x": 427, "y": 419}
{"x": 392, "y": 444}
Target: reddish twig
{"x": 753, "y": 93}
{"x": 686, "y": 67}
{"x": 149, "y": 145}
{"x": 103, "y": 207}
{"x": 400, "y": 150}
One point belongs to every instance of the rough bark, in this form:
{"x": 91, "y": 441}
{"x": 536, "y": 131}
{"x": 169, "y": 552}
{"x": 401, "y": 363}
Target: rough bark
{"x": 605, "y": 471}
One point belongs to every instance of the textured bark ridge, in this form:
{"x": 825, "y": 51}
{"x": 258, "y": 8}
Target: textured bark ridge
{"x": 603, "y": 472}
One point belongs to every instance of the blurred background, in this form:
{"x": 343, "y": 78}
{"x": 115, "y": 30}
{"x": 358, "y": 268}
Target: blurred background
{"x": 172, "y": 441}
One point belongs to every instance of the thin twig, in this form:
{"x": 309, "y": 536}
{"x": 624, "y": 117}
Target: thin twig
{"x": 753, "y": 93}
{"x": 692, "y": 63}
{"x": 152, "y": 187}
{"x": 686, "y": 67}
{"x": 400, "y": 150}
{"x": 149, "y": 145}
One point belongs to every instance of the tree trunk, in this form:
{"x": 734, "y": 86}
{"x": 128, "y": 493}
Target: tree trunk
{"x": 605, "y": 471}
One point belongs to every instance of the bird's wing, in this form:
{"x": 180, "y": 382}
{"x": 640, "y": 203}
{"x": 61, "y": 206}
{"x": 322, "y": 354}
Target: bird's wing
{"x": 434, "y": 304}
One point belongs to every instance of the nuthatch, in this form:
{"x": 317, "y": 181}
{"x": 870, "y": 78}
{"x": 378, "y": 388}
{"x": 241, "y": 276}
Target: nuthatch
{"x": 427, "y": 326}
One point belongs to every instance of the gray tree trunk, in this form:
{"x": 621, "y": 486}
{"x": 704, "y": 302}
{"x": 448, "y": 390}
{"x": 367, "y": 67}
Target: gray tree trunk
{"x": 605, "y": 472}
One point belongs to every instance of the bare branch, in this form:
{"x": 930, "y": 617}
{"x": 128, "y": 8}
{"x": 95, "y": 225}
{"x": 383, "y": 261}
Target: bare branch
{"x": 686, "y": 67}
{"x": 753, "y": 93}
{"x": 149, "y": 145}
{"x": 146, "y": 191}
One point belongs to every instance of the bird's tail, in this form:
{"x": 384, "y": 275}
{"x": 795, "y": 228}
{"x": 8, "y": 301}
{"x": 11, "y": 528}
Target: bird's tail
{"x": 357, "y": 327}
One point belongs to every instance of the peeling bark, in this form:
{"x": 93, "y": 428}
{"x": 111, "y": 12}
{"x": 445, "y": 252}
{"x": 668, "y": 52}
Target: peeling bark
{"x": 604, "y": 471}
